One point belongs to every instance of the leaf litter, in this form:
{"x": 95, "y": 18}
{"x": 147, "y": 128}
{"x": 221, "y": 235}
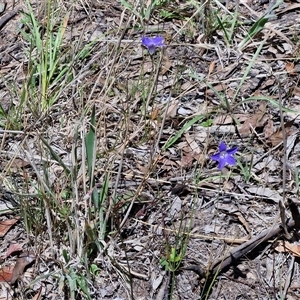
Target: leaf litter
{"x": 211, "y": 73}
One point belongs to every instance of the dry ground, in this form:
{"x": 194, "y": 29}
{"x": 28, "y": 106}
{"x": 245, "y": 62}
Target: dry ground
{"x": 158, "y": 198}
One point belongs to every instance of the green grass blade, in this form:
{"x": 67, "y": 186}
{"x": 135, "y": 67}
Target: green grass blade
{"x": 57, "y": 43}
{"x": 102, "y": 197}
{"x": 255, "y": 29}
{"x": 254, "y": 58}
{"x": 233, "y": 24}
{"x": 269, "y": 99}
{"x": 259, "y": 25}
{"x": 186, "y": 126}
{"x": 55, "y": 156}
{"x": 90, "y": 141}
{"x": 223, "y": 29}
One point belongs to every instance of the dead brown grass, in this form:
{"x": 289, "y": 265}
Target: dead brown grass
{"x": 155, "y": 197}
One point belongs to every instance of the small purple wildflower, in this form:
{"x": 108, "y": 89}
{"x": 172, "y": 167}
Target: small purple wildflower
{"x": 153, "y": 42}
{"x": 225, "y": 157}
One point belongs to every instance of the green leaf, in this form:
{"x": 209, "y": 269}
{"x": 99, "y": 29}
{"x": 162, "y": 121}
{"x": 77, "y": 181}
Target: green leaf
{"x": 94, "y": 269}
{"x": 72, "y": 283}
{"x": 207, "y": 123}
{"x": 249, "y": 67}
{"x": 90, "y": 144}
{"x": 66, "y": 256}
{"x": 65, "y": 194}
{"x": 255, "y": 29}
{"x": 186, "y": 126}
{"x": 174, "y": 257}
{"x": 55, "y": 156}
{"x": 164, "y": 263}
{"x": 83, "y": 286}
{"x": 223, "y": 29}
{"x": 269, "y": 99}
{"x": 104, "y": 191}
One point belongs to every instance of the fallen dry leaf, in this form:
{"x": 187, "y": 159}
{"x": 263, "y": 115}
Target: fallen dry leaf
{"x": 223, "y": 120}
{"x": 16, "y": 164}
{"x": 211, "y": 68}
{"x": 269, "y": 128}
{"x": 284, "y": 246}
{"x": 13, "y": 247}
{"x": 290, "y": 68}
{"x": 6, "y": 273}
{"x": 166, "y": 65}
{"x": 23, "y": 261}
{"x": 154, "y": 114}
{"x": 265, "y": 192}
{"x": 6, "y": 225}
{"x": 228, "y": 119}
{"x": 192, "y": 143}
{"x": 168, "y": 164}
{"x": 277, "y": 137}
{"x": 175, "y": 207}
{"x": 255, "y": 120}
{"x": 191, "y": 151}
{"x": 296, "y": 92}
{"x": 38, "y": 296}
{"x": 186, "y": 160}
{"x": 172, "y": 109}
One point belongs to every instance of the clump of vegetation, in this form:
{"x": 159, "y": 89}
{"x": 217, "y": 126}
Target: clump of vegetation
{"x": 116, "y": 178}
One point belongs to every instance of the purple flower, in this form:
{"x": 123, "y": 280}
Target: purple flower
{"x": 225, "y": 157}
{"x": 153, "y": 42}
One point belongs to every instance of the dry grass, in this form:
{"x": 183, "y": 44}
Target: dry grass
{"x": 105, "y": 149}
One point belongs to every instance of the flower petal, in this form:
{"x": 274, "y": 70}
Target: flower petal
{"x": 232, "y": 150}
{"x": 151, "y": 49}
{"x": 222, "y": 163}
{"x": 230, "y": 160}
{"x": 158, "y": 41}
{"x": 146, "y": 41}
{"x": 222, "y": 147}
{"x": 215, "y": 157}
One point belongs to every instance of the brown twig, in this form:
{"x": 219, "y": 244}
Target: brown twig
{"x": 247, "y": 247}
{"x": 237, "y": 253}
{"x": 4, "y": 20}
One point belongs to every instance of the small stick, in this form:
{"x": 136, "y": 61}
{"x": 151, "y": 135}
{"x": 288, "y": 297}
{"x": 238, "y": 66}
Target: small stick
{"x": 4, "y": 20}
{"x": 248, "y": 246}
